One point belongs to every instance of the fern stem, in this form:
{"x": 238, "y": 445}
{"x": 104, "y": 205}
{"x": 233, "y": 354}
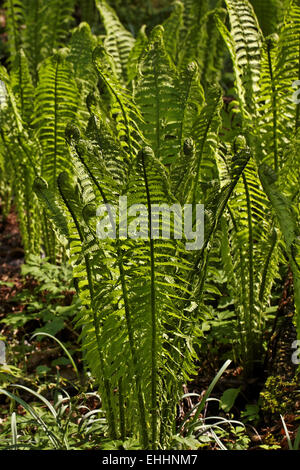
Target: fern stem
{"x": 243, "y": 282}
{"x": 249, "y": 317}
{"x": 55, "y": 123}
{"x": 111, "y": 417}
{"x": 266, "y": 266}
{"x": 124, "y": 114}
{"x": 298, "y": 105}
{"x": 199, "y": 159}
{"x": 15, "y": 38}
{"x": 274, "y": 108}
{"x": 153, "y": 315}
{"x": 121, "y": 410}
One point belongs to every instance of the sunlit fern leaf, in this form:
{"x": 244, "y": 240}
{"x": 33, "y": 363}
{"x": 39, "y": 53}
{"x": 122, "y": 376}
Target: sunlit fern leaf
{"x": 193, "y": 44}
{"x": 202, "y": 44}
{"x": 58, "y": 17}
{"x": 270, "y": 147}
{"x": 118, "y": 40}
{"x": 182, "y": 170}
{"x": 55, "y": 104}
{"x": 34, "y": 36}
{"x": 193, "y": 12}
{"x": 106, "y": 172}
{"x": 205, "y": 132}
{"x": 172, "y": 28}
{"x": 123, "y": 108}
{"x": 136, "y": 52}
{"x": 212, "y": 50}
{"x": 10, "y": 99}
{"x": 109, "y": 149}
{"x": 215, "y": 206}
{"x": 158, "y": 98}
{"x": 81, "y": 46}
{"x": 150, "y": 291}
{"x": 244, "y": 44}
{"x": 22, "y": 86}
{"x": 14, "y": 20}
{"x": 192, "y": 100}
{"x": 82, "y": 263}
{"x": 41, "y": 189}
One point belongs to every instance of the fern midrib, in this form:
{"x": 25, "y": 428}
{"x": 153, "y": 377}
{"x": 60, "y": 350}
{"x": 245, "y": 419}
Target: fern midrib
{"x": 153, "y": 314}
{"x": 297, "y": 123}
{"x": 12, "y": 14}
{"x": 55, "y": 124}
{"x": 35, "y": 52}
{"x": 157, "y": 99}
{"x": 185, "y": 109}
{"x": 199, "y": 159}
{"x": 96, "y": 327}
{"x": 21, "y": 83}
{"x": 251, "y": 273}
{"x": 126, "y": 122}
{"x": 274, "y": 110}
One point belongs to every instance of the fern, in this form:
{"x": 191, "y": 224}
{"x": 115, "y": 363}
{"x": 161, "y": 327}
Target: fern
{"x": 244, "y": 44}
{"x": 22, "y": 86}
{"x": 158, "y": 98}
{"x": 172, "y": 28}
{"x": 118, "y": 41}
{"x": 136, "y": 53}
{"x": 14, "y": 17}
{"x": 55, "y": 104}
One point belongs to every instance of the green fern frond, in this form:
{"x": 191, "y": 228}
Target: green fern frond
{"x": 136, "y": 53}
{"x": 22, "y": 86}
{"x": 172, "y": 27}
{"x": 244, "y": 44}
{"x": 58, "y": 17}
{"x": 14, "y": 20}
{"x": 35, "y": 35}
{"x": 56, "y": 103}
{"x": 118, "y": 41}
{"x": 124, "y": 110}
{"x": 158, "y": 98}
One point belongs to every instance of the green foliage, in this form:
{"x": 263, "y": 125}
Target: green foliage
{"x": 50, "y": 301}
{"x": 87, "y": 119}
{"x": 55, "y": 104}
{"x": 118, "y": 41}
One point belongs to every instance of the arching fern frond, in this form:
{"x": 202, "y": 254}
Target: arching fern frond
{"x": 172, "y": 27}
{"x": 22, "y": 86}
{"x": 118, "y": 40}
{"x": 158, "y": 98}
{"x": 14, "y": 20}
{"x": 55, "y": 104}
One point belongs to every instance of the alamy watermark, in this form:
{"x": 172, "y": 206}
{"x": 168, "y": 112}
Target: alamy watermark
{"x": 164, "y": 221}
{"x": 2, "y": 353}
{"x": 296, "y": 95}
{"x": 296, "y": 354}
